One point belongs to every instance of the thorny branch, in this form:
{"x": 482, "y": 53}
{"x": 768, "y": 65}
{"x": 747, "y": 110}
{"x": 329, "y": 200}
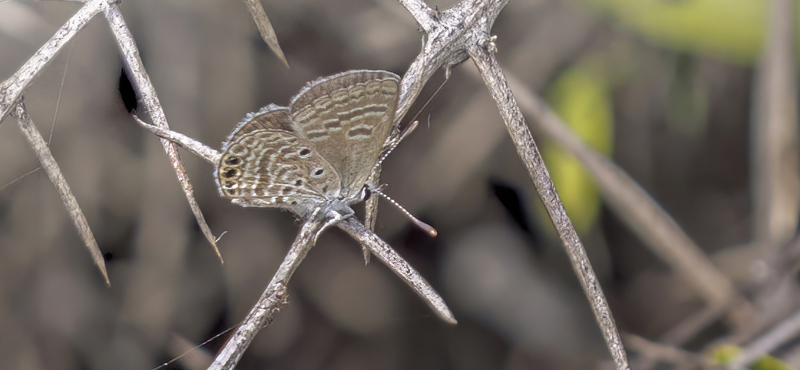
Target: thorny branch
{"x": 147, "y": 95}
{"x": 484, "y": 58}
{"x": 634, "y": 206}
{"x": 271, "y": 301}
{"x": 463, "y": 31}
{"x": 37, "y": 142}
{"x": 450, "y": 37}
{"x": 268, "y": 305}
{"x": 12, "y": 88}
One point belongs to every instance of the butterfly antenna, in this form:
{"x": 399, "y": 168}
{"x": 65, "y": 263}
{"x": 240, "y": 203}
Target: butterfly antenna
{"x": 394, "y": 143}
{"x": 412, "y": 126}
{"x": 430, "y": 99}
{"x": 427, "y": 228}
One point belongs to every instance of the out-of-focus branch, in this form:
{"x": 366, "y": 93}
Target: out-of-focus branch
{"x": 775, "y": 167}
{"x": 657, "y": 351}
{"x": 50, "y": 166}
{"x": 780, "y": 334}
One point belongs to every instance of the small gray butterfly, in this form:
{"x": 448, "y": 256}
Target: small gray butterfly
{"x": 316, "y": 154}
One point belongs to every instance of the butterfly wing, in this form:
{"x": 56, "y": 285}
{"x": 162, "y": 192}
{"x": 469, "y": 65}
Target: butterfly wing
{"x": 266, "y": 163}
{"x": 348, "y": 117}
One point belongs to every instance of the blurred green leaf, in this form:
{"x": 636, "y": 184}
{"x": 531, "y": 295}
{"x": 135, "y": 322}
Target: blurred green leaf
{"x": 724, "y": 354}
{"x": 582, "y": 98}
{"x": 732, "y": 30}
{"x": 770, "y": 363}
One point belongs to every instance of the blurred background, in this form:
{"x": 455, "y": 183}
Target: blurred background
{"x": 664, "y": 88}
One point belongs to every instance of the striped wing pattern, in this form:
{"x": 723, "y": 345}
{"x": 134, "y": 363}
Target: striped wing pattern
{"x": 321, "y": 148}
{"x": 348, "y": 117}
{"x": 266, "y": 163}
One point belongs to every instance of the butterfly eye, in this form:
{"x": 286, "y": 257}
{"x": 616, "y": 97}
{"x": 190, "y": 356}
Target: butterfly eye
{"x": 304, "y": 152}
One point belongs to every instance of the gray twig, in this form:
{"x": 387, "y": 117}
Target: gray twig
{"x": 779, "y": 335}
{"x": 197, "y": 148}
{"x": 12, "y": 88}
{"x": 275, "y": 296}
{"x": 148, "y": 97}
{"x": 265, "y": 28}
{"x": 271, "y": 301}
{"x": 399, "y": 266}
{"x": 483, "y": 55}
{"x": 776, "y": 177}
{"x": 635, "y": 207}
{"x": 657, "y": 351}
{"x": 50, "y": 166}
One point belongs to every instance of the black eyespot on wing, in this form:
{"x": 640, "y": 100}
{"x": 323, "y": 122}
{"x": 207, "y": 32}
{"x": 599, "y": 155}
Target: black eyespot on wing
{"x": 286, "y": 190}
{"x": 230, "y": 172}
{"x": 319, "y": 172}
{"x": 233, "y": 160}
{"x": 304, "y": 152}
{"x": 299, "y": 182}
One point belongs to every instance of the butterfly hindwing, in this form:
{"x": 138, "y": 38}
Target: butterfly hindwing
{"x": 266, "y": 163}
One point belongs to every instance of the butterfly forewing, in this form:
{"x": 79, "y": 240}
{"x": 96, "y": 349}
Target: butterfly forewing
{"x": 266, "y": 162}
{"x": 347, "y": 118}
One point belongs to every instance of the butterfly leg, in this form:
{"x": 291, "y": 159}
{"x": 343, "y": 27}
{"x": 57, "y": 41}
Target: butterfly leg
{"x": 330, "y": 215}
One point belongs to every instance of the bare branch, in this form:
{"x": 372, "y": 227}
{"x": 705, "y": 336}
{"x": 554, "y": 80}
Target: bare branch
{"x": 265, "y": 28}
{"x": 493, "y": 77}
{"x": 399, "y": 266}
{"x": 12, "y": 88}
{"x": 779, "y": 335}
{"x": 634, "y": 206}
{"x": 448, "y": 34}
{"x": 50, "y": 166}
{"x": 148, "y": 97}
{"x": 658, "y": 351}
{"x": 776, "y": 181}
{"x": 275, "y": 296}
{"x": 271, "y": 301}
{"x": 197, "y": 148}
